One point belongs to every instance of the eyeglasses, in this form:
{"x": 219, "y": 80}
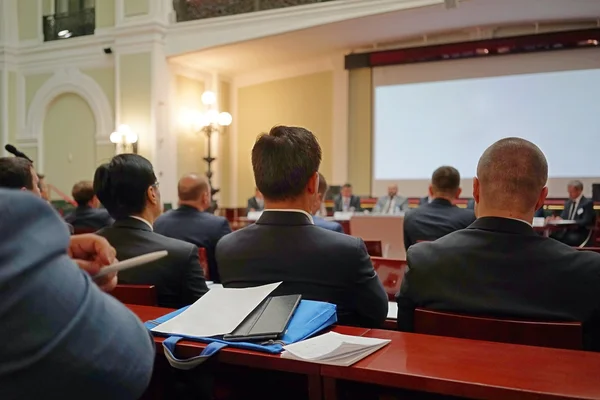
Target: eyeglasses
{"x": 155, "y": 184}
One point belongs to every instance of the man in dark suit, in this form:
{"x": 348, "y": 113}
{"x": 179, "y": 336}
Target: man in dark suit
{"x": 439, "y": 217}
{"x": 319, "y": 221}
{"x": 256, "y": 202}
{"x": 63, "y": 334}
{"x": 191, "y": 223}
{"x": 498, "y": 266}
{"x": 346, "y": 201}
{"x": 87, "y": 215}
{"x": 580, "y": 209}
{"x": 128, "y": 189}
{"x": 285, "y": 245}
{"x": 424, "y": 200}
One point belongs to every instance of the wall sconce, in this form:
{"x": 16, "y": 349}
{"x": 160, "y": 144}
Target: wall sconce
{"x": 209, "y": 122}
{"x": 125, "y": 139}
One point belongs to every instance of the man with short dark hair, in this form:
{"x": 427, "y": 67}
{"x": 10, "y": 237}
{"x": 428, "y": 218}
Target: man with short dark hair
{"x": 256, "y": 202}
{"x": 440, "y": 216}
{"x": 18, "y": 173}
{"x": 331, "y": 225}
{"x": 580, "y": 209}
{"x": 346, "y": 201}
{"x": 128, "y": 188}
{"x": 285, "y": 245}
{"x": 191, "y": 223}
{"x": 87, "y": 216}
{"x": 499, "y": 266}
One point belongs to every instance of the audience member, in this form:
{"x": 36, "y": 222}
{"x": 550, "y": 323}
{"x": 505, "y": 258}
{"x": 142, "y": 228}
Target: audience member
{"x": 64, "y": 337}
{"x": 439, "y": 217}
{"x": 257, "y": 202}
{"x": 346, "y": 201}
{"x": 392, "y": 203}
{"x": 87, "y": 215}
{"x": 44, "y": 190}
{"x": 498, "y": 266}
{"x": 424, "y": 200}
{"x": 331, "y": 225}
{"x": 128, "y": 189}
{"x": 18, "y": 173}
{"x": 191, "y": 223}
{"x": 285, "y": 245}
{"x": 580, "y": 209}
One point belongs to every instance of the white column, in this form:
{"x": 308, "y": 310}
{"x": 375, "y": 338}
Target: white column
{"x": 339, "y": 135}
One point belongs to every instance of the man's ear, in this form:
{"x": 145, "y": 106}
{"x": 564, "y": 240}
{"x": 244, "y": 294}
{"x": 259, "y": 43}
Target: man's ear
{"x": 476, "y": 190}
{"x": 313, "y": 183}
{"x": 542, "y": 198}
{"x": 430, "y": 190}
{"x": 458, "y": 192}
{"x": 151, "y": 195}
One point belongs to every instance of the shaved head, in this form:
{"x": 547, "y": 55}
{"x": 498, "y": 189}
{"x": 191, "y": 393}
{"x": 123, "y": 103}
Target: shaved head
{"x": 512, "y": 174}
{"x": 191, "y": 187}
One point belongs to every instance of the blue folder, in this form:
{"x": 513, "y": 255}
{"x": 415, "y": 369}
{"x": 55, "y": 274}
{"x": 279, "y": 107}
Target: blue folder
{"x": 310, "y": 318}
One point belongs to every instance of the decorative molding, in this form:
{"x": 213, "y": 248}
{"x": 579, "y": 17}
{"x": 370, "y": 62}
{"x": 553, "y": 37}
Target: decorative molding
{"x": 67, "y": 80}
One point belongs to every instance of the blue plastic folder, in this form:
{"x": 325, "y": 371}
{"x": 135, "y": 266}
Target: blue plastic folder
{"x": 310, "y": 318}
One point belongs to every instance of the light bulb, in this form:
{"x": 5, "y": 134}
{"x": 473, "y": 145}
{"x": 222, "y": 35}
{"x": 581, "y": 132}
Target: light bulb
{"x": 208, "y": 98}
{"x": 224, "y": 119}
{"x": 212, "y": 116}
{"x": 131, "y": 137}
{"x": 115, "y": 137}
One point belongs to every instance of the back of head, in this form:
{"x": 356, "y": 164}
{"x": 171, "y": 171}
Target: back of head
{"x": 122, "y": 184}
{"x": 192, "y": 187}
{"x": 284, "y": 160}
{"x": 83, "y": 193}
{"x": 445, "y": 181}
{"x": 16, "y": 173}
{"x": 512, "y": 174}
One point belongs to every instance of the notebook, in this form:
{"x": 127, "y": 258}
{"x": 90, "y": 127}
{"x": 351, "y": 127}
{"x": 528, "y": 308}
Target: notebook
{"x": 268, "y": 321}
{"x": 334, "y": 349}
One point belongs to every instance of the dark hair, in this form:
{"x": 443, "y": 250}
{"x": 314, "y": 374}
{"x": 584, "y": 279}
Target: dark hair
{"x": 15, "y": 173}
{"x": 121, "y": 185}
{"x": 576, "y": 184}
{"x": 347, "y": 185}
{"x": 512, "y": 173}
{"x": 322, "y": 185}
{"x": 284, "y": 160}
{"x": 445, "y": 179}
{"x": 83, "y": 192}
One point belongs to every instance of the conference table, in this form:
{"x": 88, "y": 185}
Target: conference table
{"x": 412, "y": 365}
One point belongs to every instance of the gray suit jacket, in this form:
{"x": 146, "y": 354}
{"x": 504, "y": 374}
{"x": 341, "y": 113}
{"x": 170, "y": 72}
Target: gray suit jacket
{"x": 400, "y": 204}
{"x": 66, "y": 336}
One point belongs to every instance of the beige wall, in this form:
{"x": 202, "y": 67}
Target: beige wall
{"x": 136, "y": 7}
{"x": 33, "y": 83}
{"x": 135, "y": 86}
{"x": 191, "y": 146}
{"x": 29, "y": 20}
{"x": 359, "y": 130}
{"x": 105, "y": 13}
{"x": 69, "y": 143}
{"x": 305, "y": 101}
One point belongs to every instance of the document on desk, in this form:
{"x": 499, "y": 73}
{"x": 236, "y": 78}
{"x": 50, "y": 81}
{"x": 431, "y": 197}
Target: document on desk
{"x": 561, "y": 222}
{"x": 334, "y": 349}
{"x": 218, "y": 312}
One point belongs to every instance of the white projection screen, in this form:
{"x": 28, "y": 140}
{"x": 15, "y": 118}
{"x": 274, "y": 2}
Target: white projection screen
{"x": 446, "y": 113}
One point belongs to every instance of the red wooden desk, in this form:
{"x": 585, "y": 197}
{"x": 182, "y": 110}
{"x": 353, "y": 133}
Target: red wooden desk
{"x": 472, "y": 369}
{"x": 245, "y": 358}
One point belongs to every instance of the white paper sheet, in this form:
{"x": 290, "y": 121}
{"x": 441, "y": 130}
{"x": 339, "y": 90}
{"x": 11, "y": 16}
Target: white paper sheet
{"x": 392, "y": 310}
{"x": 218, "y": 312}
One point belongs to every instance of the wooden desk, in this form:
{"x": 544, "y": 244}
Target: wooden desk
{"x": 243, "y": 358}
{"x": 471, "y": 369}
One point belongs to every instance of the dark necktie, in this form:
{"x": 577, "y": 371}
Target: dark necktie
{"x": 572, "y": 211}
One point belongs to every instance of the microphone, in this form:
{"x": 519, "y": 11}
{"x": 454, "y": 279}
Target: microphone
{"x": 13, "y": 150}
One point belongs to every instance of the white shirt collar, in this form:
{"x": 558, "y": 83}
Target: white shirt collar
{"x": 143, "y": 220}
{"x": 292, "y": 210}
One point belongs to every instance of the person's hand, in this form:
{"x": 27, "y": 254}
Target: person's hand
{"x": 92, "y": 252}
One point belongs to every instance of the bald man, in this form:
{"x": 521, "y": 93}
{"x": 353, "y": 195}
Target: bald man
{"x": 498, "y": 266}
{"x": 190, "y": 223}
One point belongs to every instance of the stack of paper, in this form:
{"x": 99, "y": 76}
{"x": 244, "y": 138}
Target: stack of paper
{"x": 333, "y": 349}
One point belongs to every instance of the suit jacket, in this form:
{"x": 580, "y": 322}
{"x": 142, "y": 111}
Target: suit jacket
{"x": 65, "y": 336}
{"x": 471, "y": 204}
{"x": 178, "y": 278}
{"x": 500, "y": 267}
{"x": 317, "y": 263}
{"x": 585, "y": 216}
{"x": 433, "y": 220}
{"x": 400, "y": 204}
{"x": 423, "y": 200}
{"x": 253, "y": 205}
{"x": 88, "y": 217}
{"x": 193, "y": 226}
{"x": 331, "y": 225}
{"x": 354, "y": 202}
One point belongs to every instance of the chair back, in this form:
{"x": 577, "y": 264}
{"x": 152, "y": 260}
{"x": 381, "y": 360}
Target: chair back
{"x": 204, "y": 263}
{"x": 374, "y": 248}
{"x": 390, "y": 272}
{"x": 562, "y": 335}
{"x": 143, "y": 295}
{"x": 78, "y": 230}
